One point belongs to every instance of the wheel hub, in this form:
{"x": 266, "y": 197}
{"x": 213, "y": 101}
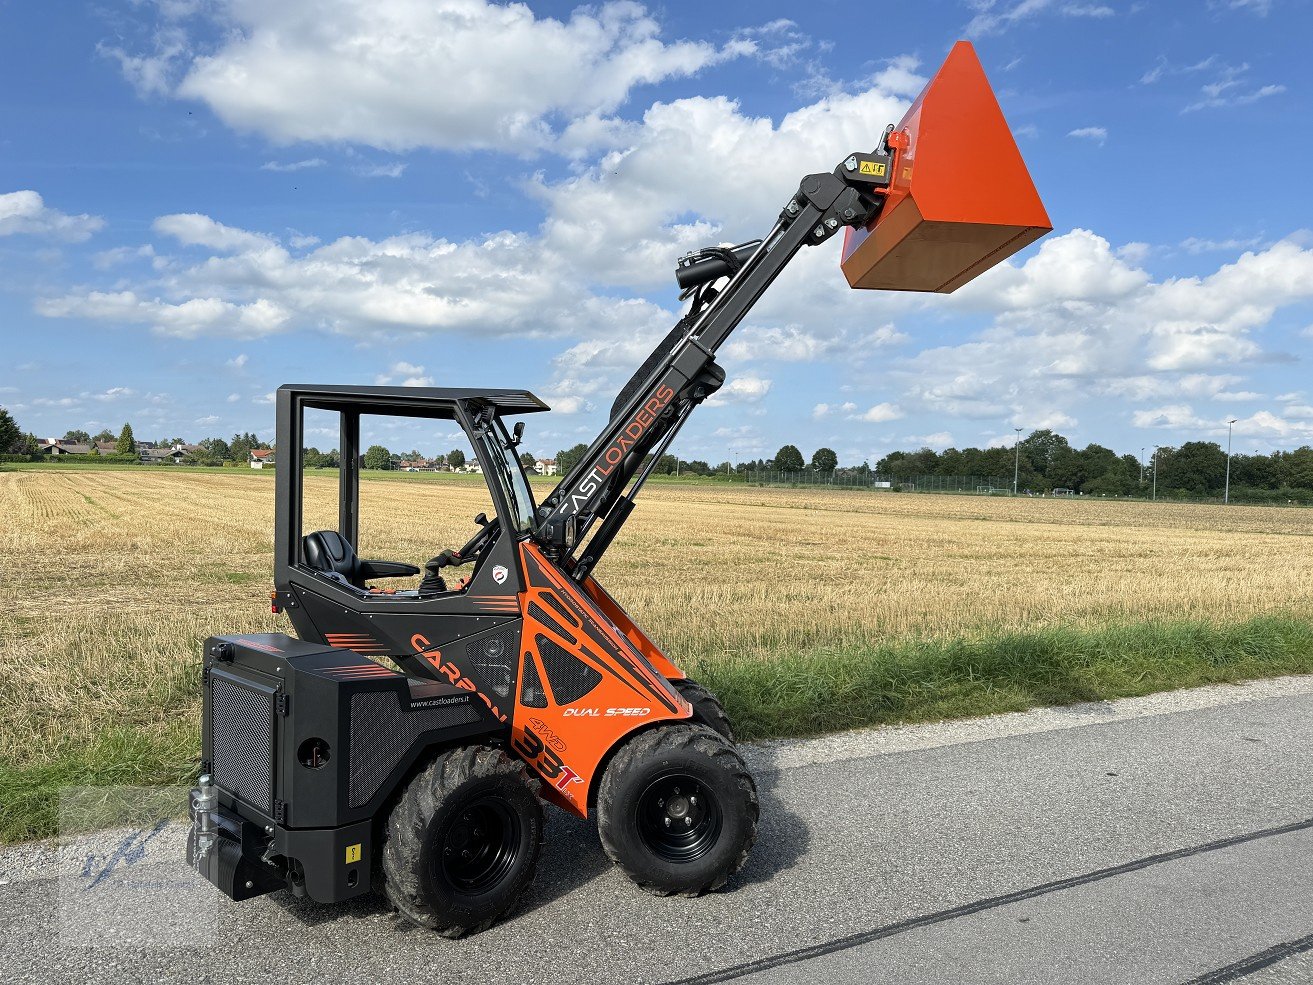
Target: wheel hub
{"x": 678, "y": 819}
{"x": 480, "y": 846}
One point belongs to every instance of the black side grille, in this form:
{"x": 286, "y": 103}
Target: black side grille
{"x": 551, "y": 599}
{"x": 242, "y": 739}
{"x": 494, "y": 656}
{"x": 551, "y": 624}
{"x": 382, "y": 733}
{"x": 569, "y": 676}
{"x": 531, "y": 688}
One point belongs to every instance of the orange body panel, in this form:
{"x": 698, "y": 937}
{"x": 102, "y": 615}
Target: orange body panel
{"x": 961, "y": 199}
{"x": 583, "y": 684}
{"x": 620, "y": 619}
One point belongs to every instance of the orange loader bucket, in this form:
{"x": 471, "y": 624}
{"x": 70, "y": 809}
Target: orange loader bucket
{"x": 960, "y": 200}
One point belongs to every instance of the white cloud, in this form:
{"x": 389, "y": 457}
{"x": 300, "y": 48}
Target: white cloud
{"x": 1260, "y": 7}
{"x": 1196, "y": 246}
{"x": 64, "y": 402}
{"x": 238, "y": 361}
{"x": 187, "y": 319}
{"x": 1232, "y": 87}
{"x": 939, "y": 439}
{"x": 881, "y": 413}
{"x": 993, "y": 19}
{"x": 1291, "y": 426}
{"x": 562, "y": 403}
{"x": 792, "y": 343}
{"x": 411, "y": 375}
{"x": 106, "y": 259}
{"x": 26, "y": 212}
{"x": 662, "y": 185}
{"x": 1097, "y": 134}
{"x": 153, "y": 73}
{"x": 208, "y": 419}
{"x": 234, "y": 397}
{"x": 193, "y": 229}
{"x": 821, "y": 411}
{"x": 1076, "y": 321}
{"x": 394, "y": 170}
{"x": 398, "y": 74}
{"x": 311, "y": 162}
{"x": 112, "y": 394}
{"x": 747, "y": 388}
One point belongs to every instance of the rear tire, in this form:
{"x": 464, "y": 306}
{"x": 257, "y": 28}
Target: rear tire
{"x": 461, "y": 845}
{"x": 677, "y": 810}
{"x": 707, "y": 708}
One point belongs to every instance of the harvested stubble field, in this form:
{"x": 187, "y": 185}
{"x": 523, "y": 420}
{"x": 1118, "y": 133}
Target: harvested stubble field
{"x": 808, "y": 609}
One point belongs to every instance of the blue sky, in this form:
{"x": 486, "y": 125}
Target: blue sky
{"x": 202, "y": 199}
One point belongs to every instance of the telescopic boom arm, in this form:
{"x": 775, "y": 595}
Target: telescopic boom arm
{"x": 682, "y": 371}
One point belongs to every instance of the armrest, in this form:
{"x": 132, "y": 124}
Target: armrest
{"x": 369, "y": 570}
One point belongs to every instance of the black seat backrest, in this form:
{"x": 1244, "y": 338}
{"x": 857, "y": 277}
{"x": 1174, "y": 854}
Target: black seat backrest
{"x": 329, "y": 552}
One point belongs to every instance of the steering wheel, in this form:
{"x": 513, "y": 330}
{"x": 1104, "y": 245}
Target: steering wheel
{"x": 469, "y": 551}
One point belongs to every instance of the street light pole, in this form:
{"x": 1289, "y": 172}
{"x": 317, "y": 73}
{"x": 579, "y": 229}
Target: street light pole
{"x": 1141, "y": 467}
{"x": 1016, "y": 463}
{"x": 1226, "y": 494}
{"x": 1155, "y": 473}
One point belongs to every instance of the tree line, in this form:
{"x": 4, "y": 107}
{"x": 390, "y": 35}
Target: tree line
{"x": 1043, "y": 461}
{"x": 1046, "y": 460}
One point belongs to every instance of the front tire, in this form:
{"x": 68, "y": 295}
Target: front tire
{"x": 707, "y": 708}
{"x": 461, "y": 845}
{"x": 677, "y": 810}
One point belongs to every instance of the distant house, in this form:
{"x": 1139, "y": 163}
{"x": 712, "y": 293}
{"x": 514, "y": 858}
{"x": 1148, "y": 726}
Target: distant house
{"x": 260, "y": 457}
{"x": 545, "y": 466}
{"x": 57, "y": 446}
{"x": 472, "y": 466}
{"x": 416, "y": 465}
{"x": 107, "y": 447}
{"x": 162, "y": 456}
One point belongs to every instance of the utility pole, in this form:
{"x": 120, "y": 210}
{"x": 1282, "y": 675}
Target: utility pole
{"x": 1155, "y": 473}
{"x": 1016, "y": 460}
{"x": 1141, "y": 465}
{"x": 1226, "y": 495}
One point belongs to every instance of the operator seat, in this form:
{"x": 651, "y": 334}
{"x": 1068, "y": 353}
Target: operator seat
{"x": 329, "y": 552}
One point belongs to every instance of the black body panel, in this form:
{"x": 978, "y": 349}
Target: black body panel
{"x": 306, "y": 745}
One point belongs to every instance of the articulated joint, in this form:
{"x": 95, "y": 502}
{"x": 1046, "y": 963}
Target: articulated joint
{"x": 851, "y": 196}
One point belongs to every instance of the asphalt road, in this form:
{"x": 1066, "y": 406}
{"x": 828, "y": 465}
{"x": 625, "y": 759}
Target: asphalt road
{"x": 1163, "y": 839}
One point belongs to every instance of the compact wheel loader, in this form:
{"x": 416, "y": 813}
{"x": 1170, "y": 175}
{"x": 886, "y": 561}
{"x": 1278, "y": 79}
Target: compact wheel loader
{"x": 404, "y": 740}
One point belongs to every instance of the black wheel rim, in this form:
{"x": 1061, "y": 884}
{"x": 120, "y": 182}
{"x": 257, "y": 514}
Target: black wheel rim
{"x": 480, "y": 847}
{"x": 679, "y": 818}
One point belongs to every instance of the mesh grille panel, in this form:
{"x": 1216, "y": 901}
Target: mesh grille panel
{"x": 569, "y": 676}
{"x": 551, "y": 599}
{"x": 242, "y": 741}
{"x": 494, "y": 657}
{"x": 382, "y": 734}
{"x": 551, "y": 624}
{"x": 531, "y": 688}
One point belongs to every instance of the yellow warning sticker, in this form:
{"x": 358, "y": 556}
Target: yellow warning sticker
{"x": 873, "y": 167}
{"x": 352, "y": 853}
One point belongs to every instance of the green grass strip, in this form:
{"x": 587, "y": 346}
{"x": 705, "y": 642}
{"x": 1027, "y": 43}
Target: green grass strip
{"x": 786, "y": 694}
{"x": 827, "y": 690}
